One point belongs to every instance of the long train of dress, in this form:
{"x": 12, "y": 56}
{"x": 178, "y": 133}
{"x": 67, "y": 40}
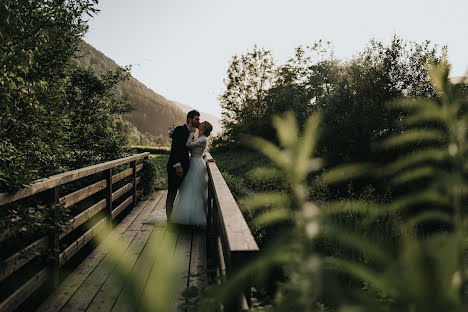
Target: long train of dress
{"x": 189, "y": 205}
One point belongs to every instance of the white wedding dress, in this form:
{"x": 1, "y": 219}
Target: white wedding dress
{"x": 190, "y": 203}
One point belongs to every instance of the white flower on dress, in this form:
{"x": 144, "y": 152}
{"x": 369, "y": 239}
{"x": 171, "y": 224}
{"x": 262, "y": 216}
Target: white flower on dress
{"x": 171, "y": 130}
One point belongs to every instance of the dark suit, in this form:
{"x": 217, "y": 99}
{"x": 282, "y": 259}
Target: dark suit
{"x": 179, "y": 154}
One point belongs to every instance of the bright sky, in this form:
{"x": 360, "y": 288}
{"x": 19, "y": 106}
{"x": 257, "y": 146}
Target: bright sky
{"x": 181, "y": 48}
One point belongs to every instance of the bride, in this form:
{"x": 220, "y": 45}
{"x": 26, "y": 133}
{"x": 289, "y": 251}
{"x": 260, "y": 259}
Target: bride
{"x": 190, "y": 203}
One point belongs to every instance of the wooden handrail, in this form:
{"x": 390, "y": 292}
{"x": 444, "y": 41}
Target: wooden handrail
{"x": 231, "y": 236}
{"x": 51, "y": 243}
{"x": 236, "y": 232}
{"x": 62, "y": 178}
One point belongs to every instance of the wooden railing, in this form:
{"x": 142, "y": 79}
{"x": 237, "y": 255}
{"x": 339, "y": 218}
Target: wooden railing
{"x": 229, "y": 236}
{"x": 51, "y": 243}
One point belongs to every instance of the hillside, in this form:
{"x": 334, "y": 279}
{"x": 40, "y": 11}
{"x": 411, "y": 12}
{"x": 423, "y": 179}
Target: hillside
{"x": 459, "y": 79}
{"x": 153, "y": 113}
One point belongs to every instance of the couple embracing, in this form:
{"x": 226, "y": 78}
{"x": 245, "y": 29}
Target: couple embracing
{"x": 187, "y": 176}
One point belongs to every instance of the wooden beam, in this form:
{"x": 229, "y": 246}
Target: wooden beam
{"x": 119, "y": 176}
{"x": 124, "y": 189}
{"x": 83, "y": 217}
{"x": 233, "y": 225}
{"x": 71, "y": 250}
{"x": 122, "y": 206}
{"x": 59, "y": 179}
{"x": 222, "y": 263}
{"x": 24, "y": 292}
{"x": 109, "y": 195}
{"x": 22, "y": 257}
{"x": 83, "y": 193}
{"x": 139, "y": 167}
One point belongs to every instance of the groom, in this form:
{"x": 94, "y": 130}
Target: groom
{"x": 178, "y": 163}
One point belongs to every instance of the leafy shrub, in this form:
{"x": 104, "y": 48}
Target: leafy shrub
{"x": 148, "y": 175}
{"x": 159, "y": 162}
{"x": 364, "y": 255}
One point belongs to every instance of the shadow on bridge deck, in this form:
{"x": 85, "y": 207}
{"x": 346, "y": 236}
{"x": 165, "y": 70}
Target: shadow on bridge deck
{"x": 95, "y": 286}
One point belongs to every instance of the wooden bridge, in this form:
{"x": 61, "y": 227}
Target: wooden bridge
{"x": 62, "y": 271}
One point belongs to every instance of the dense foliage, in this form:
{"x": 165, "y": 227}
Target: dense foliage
{"x": 350, "y": 94}
{"x": 407, "y": 254}
{"x": 373, "y": 218}
{"x": 54, "y": 115}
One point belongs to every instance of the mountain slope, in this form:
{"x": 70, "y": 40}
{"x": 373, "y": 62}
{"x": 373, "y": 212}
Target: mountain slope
{"x": 153, "y": 113}
{"x": 459, "y": 79}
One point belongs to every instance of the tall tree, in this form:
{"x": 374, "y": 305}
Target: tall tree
{"x": 249, "y": 77}
{"x": 37, "y": 41}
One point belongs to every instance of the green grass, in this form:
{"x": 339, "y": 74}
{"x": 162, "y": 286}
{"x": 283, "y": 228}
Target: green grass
{"x": 160, "y": 178}
{"x": 235, "y": 166}
{"x": 240, "y": 161}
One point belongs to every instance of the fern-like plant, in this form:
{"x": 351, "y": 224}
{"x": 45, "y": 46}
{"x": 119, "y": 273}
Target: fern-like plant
{"x": 407, "y": 255}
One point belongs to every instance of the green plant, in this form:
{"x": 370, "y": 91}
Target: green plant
{"x": 404, "y": 254}
{"x": 146, "y": 292}
{"x": 148, "y": 176}
{"x": 159, "y": 162}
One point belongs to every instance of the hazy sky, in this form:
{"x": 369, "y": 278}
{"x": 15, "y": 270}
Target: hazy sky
{"x": 181, "y": 49}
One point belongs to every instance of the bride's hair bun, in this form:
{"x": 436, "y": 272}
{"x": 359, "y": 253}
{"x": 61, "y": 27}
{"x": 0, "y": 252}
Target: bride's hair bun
{"x": 208, "y": 128}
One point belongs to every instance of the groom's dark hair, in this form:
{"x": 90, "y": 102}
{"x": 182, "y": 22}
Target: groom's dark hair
{"x": 192, "y": 114}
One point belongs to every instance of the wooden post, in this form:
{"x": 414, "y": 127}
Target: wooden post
{"x": 108, "y": 175}
{"x": 133, "y": 165}
{"x": 239, "y": 299}
{"x": 54, "y": 242}
{"x": 238, "y": 261}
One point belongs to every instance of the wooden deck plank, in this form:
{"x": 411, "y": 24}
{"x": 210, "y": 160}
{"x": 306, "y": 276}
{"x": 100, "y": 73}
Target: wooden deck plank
{"x": 190, "y": 251}
{"x": 152, "y": 280}
{"x": 182, "y": 254}
{"x": 88, "y": 290}
{"x": 110, "y": 291}
{"x": 97, "y": 288}
{"x": 82, "y": 298}
{"x": 143, "y": 265}
{"x": 197, "y": 273}
{"x": 61, "y": 295}
{"x": 140, "y": 271}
